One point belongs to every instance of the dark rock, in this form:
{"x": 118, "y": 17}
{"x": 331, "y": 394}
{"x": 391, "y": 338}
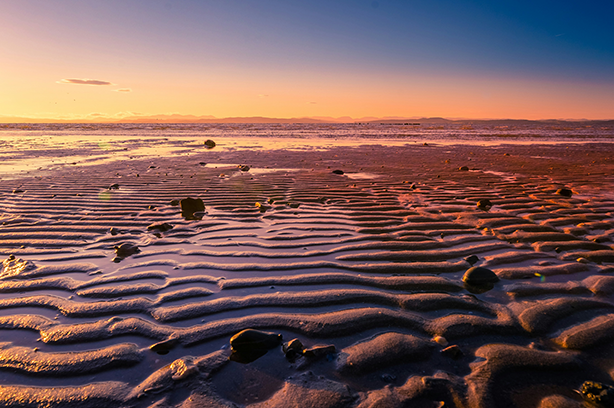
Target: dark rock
{"x": 113, "y": 187}
{"x": 250, "y": 339}
{"x": 463, "y": 168}
{"x": 189, "y": 206}
{"x": 244, "y": 167}
{"x": 294, "y": 344}
{"x": 163, "y": 347}
{"x": 209, "y": 144}
{"x": 114, "y": 231}
{"x": 598, "y": 393}
{"x": 202, "y": 163}
{"x": 565, "y": 192}
{"x": 294, "y": 205}
{"x": 163, "y": 227}
{"x": 453, "y": 352}
{"x": 174, "y": 203}
{"x": 338, "y": 172}
{"x": 472, "y": 259}
{"x": 478, "y": 276}
{"x": 249, "y": 345}
{"x": 125, "y": 250}
{"x": 17, "y": 191}
{"x": 484, "y": 205}
{"x": 293, "y": 349}
{"x": 319, "y": 351}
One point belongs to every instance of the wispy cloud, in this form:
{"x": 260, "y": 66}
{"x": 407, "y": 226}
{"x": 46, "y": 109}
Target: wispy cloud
{"x": 263, "y": 96}
{"x": 83, "y": 81}
{"x": 123, "y": 90}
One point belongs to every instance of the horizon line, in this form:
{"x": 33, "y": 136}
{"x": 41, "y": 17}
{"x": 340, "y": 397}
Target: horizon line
{"x": 200, "y": 119}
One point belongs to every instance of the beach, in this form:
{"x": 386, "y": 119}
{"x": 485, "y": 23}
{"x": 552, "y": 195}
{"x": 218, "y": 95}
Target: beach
{"x": 111, "y": 295}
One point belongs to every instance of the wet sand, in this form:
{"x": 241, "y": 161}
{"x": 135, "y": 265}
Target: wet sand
{"x": 370, "y": 262}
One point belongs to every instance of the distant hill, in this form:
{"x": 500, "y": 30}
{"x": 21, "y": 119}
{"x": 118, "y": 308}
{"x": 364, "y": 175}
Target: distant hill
{"x": 176, "y": 118}
{"x": 497, "y": 122}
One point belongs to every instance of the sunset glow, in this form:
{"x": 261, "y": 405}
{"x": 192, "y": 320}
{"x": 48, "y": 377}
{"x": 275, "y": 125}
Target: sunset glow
{"x": 89, "y": 60}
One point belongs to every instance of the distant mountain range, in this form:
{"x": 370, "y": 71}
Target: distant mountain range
{"x": 176, "y": 118}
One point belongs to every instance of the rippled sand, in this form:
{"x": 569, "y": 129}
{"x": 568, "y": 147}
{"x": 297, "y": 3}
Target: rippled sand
{"x": 370, "y": 261}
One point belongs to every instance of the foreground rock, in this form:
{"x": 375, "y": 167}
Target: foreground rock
{"x": 479, "y": 276}
{"x": 248, "y": 345}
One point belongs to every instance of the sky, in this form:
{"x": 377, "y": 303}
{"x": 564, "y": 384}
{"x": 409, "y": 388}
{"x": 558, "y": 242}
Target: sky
{"x": 88, "y": 59}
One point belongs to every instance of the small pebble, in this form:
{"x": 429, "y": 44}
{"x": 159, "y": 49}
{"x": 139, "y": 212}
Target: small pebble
{"x": 472, "y": 259}
{"x": 484, "y": 205}
{"x": 565, "y": 192}
{"x": 453, "y": 352}
{"x": 440, "y": 340}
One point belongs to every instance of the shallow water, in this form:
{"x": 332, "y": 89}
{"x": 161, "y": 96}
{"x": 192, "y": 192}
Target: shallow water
{"x": 25, "y": 148}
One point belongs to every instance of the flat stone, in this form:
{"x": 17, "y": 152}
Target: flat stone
{"x": 250, "y": 339}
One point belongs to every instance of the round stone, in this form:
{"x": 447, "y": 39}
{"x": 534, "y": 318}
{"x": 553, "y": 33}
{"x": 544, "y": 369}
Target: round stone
{"x": 479, "y": 276}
